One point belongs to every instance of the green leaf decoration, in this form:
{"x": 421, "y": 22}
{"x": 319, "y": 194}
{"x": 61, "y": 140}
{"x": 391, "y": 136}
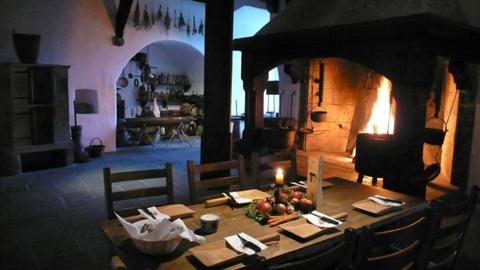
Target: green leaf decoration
{"x": 181, "y": 21}
{"x": 194, "y": 30}
{"x": 146, "y": 19}
{"x": 201, "y": 27}
{"x": 136, "y": 16}
{"x": 167, "y": 21}
{"x": 159, "y": 15}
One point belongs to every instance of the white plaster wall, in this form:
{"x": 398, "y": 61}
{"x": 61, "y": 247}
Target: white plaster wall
{"x": 78, "y": 33}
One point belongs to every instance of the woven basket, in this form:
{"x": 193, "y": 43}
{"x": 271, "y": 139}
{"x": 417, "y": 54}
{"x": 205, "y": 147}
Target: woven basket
{"x": 95, "y": 150}
{"x": 157, "y": 247}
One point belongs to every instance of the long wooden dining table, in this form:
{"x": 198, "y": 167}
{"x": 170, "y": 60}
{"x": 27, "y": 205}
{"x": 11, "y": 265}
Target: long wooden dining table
{"x": 336, "y": 199}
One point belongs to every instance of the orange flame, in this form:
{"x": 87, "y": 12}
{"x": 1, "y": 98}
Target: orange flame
{"x": 382, "y": 119}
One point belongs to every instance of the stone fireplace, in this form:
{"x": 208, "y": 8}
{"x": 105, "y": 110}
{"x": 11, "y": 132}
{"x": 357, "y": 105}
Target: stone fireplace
{"x": 408, "y": 42}
{"x": 354, "y": 97}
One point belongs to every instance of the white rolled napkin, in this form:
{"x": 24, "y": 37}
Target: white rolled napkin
{"x": 159, "y": 228}
{"x": 378, "y": 199}
{"x": 236, "y": 243}
{"x": 238, "y": 199}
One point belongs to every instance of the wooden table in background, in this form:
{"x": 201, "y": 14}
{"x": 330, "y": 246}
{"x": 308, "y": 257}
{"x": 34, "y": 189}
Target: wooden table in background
{"x": 338, "y": 198}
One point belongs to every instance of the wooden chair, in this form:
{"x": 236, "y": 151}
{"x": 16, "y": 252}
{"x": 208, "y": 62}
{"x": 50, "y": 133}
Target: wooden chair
{"x": 451, "y": 221}
{"x": 109, "y": 178}
{"x": 325, "y": 259}
{"x": 396, "y": 246}
{"x": 207, "y": 185}
{"x": 264, "y": 168}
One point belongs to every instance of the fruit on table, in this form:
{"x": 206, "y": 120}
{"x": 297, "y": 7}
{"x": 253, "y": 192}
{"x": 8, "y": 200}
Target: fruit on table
{"x": 290, "y": 209}
{"x": 305, "y": 202}
{"x": 296, "y": 195}
{"x": 283, "y": 197}
{"x": 264, "y": 207}
{"x": 280, "y": 209}
{"x": 294, "y": 201}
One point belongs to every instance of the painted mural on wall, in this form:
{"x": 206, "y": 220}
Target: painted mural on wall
{"x": 146, "y": 15}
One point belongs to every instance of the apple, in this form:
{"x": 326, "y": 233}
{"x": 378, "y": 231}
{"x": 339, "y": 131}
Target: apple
{"x": 260, "y": 201}
{"x": 264, "y": 207}
{"x": 296, "y": 195}
{"x": 294, "y": 201}
{"x": 283, "y": 197}
{"x": 290, "y": 209}
{"x": 306, "y": 203}
{"x": 280, "y": 208}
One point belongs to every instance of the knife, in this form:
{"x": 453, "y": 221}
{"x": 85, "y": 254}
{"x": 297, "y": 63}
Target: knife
{"x": 249, "y": 244}
{"x": 387, "y": 199}
{"x": 230, "y": 198}
{"x": 149, "y": 213}
{"x": 326, "y": 219}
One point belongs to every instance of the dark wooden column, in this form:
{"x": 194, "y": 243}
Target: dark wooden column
{"x": 216, "y": 139}
{"x": 408, "y": 164}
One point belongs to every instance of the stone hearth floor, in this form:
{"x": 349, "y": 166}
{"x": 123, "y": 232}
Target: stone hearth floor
{"x": 50, "y": 219}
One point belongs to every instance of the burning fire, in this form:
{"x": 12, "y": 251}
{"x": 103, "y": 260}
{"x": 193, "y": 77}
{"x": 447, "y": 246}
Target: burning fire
{"x": 382, "y": 119}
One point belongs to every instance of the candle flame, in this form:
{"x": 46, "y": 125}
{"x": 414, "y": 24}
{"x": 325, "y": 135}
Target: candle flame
{"x": 279, "y": 171}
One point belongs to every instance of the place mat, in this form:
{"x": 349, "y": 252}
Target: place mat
{"x": 374, "y": 208}
{"x": 252, "y": 194}
{"x": 296, "y": 185}
{"x": 176, "y": 211}
{"x": 219, "y": 252}
{"x": 215, "y": 253}
{"x": 301, "y": 229}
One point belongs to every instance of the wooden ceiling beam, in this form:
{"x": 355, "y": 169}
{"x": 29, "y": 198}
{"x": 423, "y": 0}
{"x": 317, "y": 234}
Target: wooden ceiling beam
{"x": 120, "y": 21}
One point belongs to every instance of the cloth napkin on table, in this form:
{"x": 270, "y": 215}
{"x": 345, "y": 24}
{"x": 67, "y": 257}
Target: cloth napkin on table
{"x": 158, "y": 228}
{"x": 236, "y": 243}
{"x": 314, "y": 218}
{"x": 239, "y": 199}
{"x": 378, "y": 199}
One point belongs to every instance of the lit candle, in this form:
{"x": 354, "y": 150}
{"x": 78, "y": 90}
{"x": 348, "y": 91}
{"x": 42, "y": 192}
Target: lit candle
{"x": 279, "y": 178}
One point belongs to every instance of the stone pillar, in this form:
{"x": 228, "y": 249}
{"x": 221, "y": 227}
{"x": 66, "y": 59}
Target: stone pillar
{"x": 216, "y": 138}
{"x": 466, "y": 81}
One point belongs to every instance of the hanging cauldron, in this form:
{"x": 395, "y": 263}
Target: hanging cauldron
{"x": 435, "y": 136}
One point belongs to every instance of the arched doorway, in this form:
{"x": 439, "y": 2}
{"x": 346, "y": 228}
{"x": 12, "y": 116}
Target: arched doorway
{"x": 159, "y": 89}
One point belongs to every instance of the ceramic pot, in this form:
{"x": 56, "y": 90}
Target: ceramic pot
{"x": 26, "y": 47}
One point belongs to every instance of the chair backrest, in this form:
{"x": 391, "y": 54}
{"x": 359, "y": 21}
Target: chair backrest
{"x": 452, "y": 219}
{"x": 398, "y": 246}
{"x": 325, "y": 259}
{"x": 222, "y": 182}
{"x": 109, "y": 178}
{"x": 263, "y": 168}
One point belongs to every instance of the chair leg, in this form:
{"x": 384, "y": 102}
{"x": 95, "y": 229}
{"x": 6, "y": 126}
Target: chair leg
{"x": 186, "y": 138}
{"x": 360, "y": 178}
{"x": 171, "y": 138}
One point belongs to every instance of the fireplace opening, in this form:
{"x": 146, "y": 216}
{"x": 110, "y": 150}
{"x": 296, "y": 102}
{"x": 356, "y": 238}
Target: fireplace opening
{"x": 358, "y": 137}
